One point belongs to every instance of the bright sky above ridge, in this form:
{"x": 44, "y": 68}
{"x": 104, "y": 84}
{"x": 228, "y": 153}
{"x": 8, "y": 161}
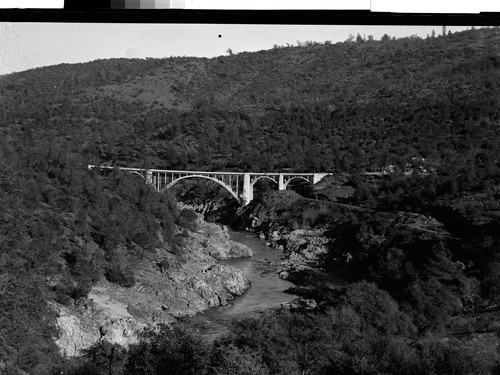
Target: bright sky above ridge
{"x": 30, "y": 45}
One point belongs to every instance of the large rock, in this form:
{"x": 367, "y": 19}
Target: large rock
{"x": 74, "y": 336}
{"x": 309, "y": 243}
{"x": 304, "y": 248}
{"x": 217, "y": 243}
{"x": 219, "y": 284}
{"x": 84, "y": 326}
{"x": 300, "y": 304}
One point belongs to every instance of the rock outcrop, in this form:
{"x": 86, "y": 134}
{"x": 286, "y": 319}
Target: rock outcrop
{"x": 304, "y": 247}
{"x": 300, "y": 304}
{"x": 170, "y": 284}
{"x": 421, "y": 225}
{"x": 217, "y": 243}
{"x": 86, "y": 324}
{"x": 264, "y": 214}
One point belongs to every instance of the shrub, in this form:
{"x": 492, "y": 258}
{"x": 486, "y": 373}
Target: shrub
{"x": 187, "y": 219}
{"x": 231, "y": 360}
{"x": 169, "y": 351}
{"x": 121, "y": 276}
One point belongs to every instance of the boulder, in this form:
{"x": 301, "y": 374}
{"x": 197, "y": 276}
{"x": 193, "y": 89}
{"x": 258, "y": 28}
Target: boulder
{"x": 300, "y": 304}
{"x": 216, "y": 242}
{"x": 79, "y": 329}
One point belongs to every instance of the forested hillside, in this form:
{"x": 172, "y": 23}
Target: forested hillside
{"x": 343, "y": 107}
{"x": 351, "y": 105}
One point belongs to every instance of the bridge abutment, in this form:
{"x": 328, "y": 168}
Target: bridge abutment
{"x": 317, "y": 177}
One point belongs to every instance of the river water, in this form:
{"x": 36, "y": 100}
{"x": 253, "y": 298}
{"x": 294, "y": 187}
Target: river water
{"x": 267, "y": 289}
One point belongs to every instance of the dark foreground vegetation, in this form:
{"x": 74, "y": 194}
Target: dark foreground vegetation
{"x": 415, "y": 298}
{"x": 62, "y": 229}
{"x": 365, "y": 333}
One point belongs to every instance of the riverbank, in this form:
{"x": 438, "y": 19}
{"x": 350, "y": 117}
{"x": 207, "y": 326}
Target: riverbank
{"x": 170, "y": 284}
{"x": 268, "y": 291}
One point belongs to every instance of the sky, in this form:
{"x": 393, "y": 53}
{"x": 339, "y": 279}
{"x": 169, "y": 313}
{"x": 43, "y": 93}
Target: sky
{"x": 30, "y": 45}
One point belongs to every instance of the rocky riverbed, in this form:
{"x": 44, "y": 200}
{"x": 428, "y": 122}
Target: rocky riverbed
{"x": 303, "y": 248}
{"x": 169, "y": 285}
{"x": 284, "y": 227}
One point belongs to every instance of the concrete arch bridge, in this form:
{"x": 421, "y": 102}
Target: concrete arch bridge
{"x": 238, "y": 184}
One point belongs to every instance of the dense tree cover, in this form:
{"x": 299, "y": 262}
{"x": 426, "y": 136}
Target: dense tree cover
{"x": 62, "y": 229}
{"x": 438, "y": 279}
{"x": 167, "y": 351}
{"x": 347, "y": 106}
{"x": 434, "y": 274}
{"x": 422, "y": 270}
{"x": 362, "y": 332}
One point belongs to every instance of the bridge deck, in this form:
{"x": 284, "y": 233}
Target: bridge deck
{"x": 205, "y": 172}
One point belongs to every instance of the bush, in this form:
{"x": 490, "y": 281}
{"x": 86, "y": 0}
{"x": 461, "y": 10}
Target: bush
{"x": 474, "y": 357}
{"x": 121, "y": 276}
{"x": 231, "y": 360}
{"x": 187, "y": 219}
{"x": 377, "y": 308}
{"x": 169, "y": 351}
{"x": 102, "y": 358}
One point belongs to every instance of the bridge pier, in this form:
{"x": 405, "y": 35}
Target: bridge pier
{"x": 149, "y": 177}
{"x": 247, "y": 194}
{"x": 281, "y": 182}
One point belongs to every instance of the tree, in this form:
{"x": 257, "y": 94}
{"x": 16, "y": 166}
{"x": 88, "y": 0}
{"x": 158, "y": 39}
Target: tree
{"x": 169, "y": 351}
{"x": 102, "y": 358}
{"x": 231, "y": 360}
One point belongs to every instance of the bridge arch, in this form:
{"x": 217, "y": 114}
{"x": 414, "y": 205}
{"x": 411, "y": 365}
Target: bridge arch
{"x": 262, "y": 177}
{"x": 227, "y": 187}
{"x": 296, "y": 178}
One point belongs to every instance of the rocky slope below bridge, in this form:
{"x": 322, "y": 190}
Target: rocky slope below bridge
{"x": 279, "y": 218}
{"x": 169, "y": 284}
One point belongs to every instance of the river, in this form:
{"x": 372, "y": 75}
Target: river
{"x": 267, "y": 289}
